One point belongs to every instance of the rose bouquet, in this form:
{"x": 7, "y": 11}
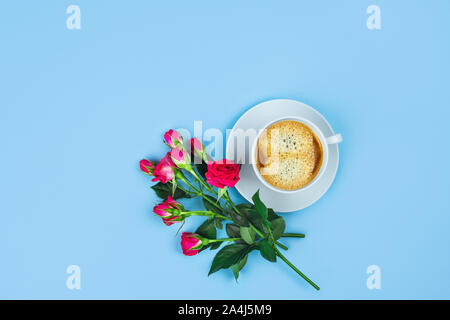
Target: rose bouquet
{"x": 187, "y": 172}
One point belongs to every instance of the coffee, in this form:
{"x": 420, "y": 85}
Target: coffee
{"x": 289, "y": 155}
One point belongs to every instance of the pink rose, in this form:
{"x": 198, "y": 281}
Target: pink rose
{"x": 147, "y": 166}
{"x": 173, "y": 139}
{"x": 196, "y": 145}
{"x": 180, "y": 158}
{"x": 198, "y": 149}
{"x": 191, "y": 243}
{"x": 222, "y": 173}
{"x": 168, "y": 208}
{"x": 164, "y": 170}
{"x": 170, "y": 211}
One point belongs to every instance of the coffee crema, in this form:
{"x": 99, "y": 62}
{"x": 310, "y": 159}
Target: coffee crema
{"x": 289, "y": 155}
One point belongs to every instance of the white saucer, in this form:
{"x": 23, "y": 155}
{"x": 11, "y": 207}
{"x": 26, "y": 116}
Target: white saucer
{"x": 256, "y": 118}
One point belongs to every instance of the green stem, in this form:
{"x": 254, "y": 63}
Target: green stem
{"x": 203, "y": 182}
{"x": 282, "y": 246}
{"x": 183, "y": 189}
{"x": 200, "y": 193}
{"x": 226, "y": 239}
{"x": 296, "y": 270}
{"x": 292, "y": 235}
{"x": 190, "y": 185}
{"x": 206, "y": 214}
{"x": 228, "y": 199}
{"x": 212, "y": 202}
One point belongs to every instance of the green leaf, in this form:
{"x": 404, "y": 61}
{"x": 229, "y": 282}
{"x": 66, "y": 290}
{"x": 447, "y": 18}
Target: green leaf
{"x": 259, "y": 215}
{"x": 277, "y": 226}
{"x": 267, "y": 251}
{"x": 256, "y": 219}
{"x": 245, "y": 206}
{"x": 240, "y": 220}
{"x": 207, "y": 229}
{"x": 227, "y": 256}
{"x": 271, "y": 215}
{"x": 233, "y": 230}
{"x": 209, "y": 206}
{"x": 247, "y": 234}
{"x": 260, "y": 206}
{"x": 164, "y": 190}
{"x": 237, "y": 267}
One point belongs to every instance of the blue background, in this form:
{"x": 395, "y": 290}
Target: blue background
{"x": 80, "y": 108}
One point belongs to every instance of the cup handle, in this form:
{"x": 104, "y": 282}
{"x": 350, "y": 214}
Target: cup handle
{"x": 337, "y": 138}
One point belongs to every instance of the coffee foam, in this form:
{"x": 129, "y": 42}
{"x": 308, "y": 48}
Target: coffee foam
{"x": 289, "y": 155}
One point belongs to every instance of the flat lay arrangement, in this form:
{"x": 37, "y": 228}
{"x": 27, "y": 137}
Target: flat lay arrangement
{"x": 288, "y": 156}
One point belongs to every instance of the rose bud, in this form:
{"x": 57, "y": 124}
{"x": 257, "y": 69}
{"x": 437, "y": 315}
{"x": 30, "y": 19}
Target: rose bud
{"x": 191, "y": 243}
{"x": 198, "y": 149}
{"x": 165, "y": 170}
{"x": 180, "y": 158}
{"x": 170, "y": 211}
{"x": 168, "y": 208}
{"x": 147, "y": 166}
{"x": 173, "y": 139}
{"x": 222, "y": 173}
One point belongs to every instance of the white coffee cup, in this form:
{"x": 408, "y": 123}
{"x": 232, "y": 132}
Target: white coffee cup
{"x": 325, "y": 141}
